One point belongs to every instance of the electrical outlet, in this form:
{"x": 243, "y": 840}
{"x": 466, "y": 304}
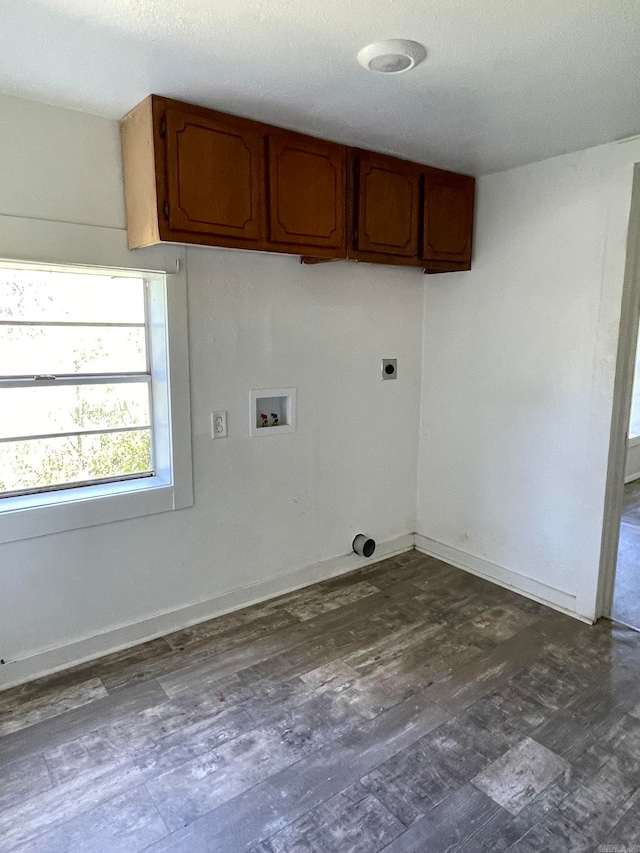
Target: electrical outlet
{"x": 389, "y": 368}
{"x": 218, "y": 424}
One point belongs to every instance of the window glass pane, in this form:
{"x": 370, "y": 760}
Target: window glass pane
{"x": 71, "y": 297}
{"x": 634, "y": 423}
{"x": 32, "y": 350}
{"x": 58, "y": 461}
{"x": 634, "y": 426}
{"x": 72, "y": 408}
{"x": 72, "y": 323}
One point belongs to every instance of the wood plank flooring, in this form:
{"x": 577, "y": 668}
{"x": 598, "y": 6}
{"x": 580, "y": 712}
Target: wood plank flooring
{"x": 626, "y": 594}
{"x": 405, "y": 707}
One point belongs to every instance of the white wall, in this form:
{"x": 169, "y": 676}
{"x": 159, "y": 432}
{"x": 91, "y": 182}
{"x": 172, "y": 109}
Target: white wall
{"x": 519, "y": 364}
{"x": 518, "y": 367}
{"x": 264, "y": 507}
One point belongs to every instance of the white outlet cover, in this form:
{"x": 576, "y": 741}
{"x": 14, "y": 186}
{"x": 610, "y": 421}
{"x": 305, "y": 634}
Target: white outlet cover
{"x": 218, "y": 424}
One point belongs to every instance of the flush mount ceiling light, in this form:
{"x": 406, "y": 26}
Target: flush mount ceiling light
{"x": 393, "y": 56}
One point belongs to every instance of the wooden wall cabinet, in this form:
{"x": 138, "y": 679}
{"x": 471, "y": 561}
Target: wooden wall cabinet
{"x": 215, "y": 173}
{"x": 386, "y": 209}
{"x": 307, "y": 195}
{"x": 193, "y": 175}
{"x": 447, "y": 221}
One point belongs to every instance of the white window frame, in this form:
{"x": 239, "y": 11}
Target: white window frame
{"x": 32, "y": 515}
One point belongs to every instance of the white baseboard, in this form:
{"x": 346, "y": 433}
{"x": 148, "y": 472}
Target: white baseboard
{"x": 51, "y": 660}
{"x": 558, "y": 599}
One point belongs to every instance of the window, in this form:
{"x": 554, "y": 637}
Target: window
{"x": 634, "y": 421}
{"x": 75, "y": 378}
{"x": 85, "y": 394}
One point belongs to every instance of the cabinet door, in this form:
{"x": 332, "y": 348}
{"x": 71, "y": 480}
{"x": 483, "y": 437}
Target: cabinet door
{"x": 387, "y": 206}
{"x": 307, "y": 193}
{"x": 214, "y": 175}
{"x": 448, "y": 217}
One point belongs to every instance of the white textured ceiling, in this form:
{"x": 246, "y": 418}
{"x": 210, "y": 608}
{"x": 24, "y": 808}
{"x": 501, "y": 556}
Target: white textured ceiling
{"x": 505, "y": 82}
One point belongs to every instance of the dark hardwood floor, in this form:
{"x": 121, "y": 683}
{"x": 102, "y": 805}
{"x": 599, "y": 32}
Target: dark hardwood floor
{"x": 626, "y": 595}
{"x": 406, "y": 707}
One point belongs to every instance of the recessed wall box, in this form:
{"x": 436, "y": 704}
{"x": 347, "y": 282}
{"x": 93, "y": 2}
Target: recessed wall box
{"x": 273, "y": 411}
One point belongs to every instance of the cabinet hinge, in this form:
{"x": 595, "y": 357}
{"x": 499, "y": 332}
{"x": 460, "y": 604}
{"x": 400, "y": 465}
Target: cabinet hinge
{"x": 166, "y": 210}
{"x": 163, "y": 127}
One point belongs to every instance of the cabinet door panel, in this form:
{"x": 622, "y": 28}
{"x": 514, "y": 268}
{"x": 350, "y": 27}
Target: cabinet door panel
{"x": 448, "y": 217}
{"x": 307, "y": 192}
{"x": 388, "y": 202}
{"x": 214, "y": 172}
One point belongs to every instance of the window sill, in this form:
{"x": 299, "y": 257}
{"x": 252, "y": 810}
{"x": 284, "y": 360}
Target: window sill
{"x": 29, "y": 516}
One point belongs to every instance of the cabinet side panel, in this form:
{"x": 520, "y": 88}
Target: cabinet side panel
{"x": 139, "y": 168}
